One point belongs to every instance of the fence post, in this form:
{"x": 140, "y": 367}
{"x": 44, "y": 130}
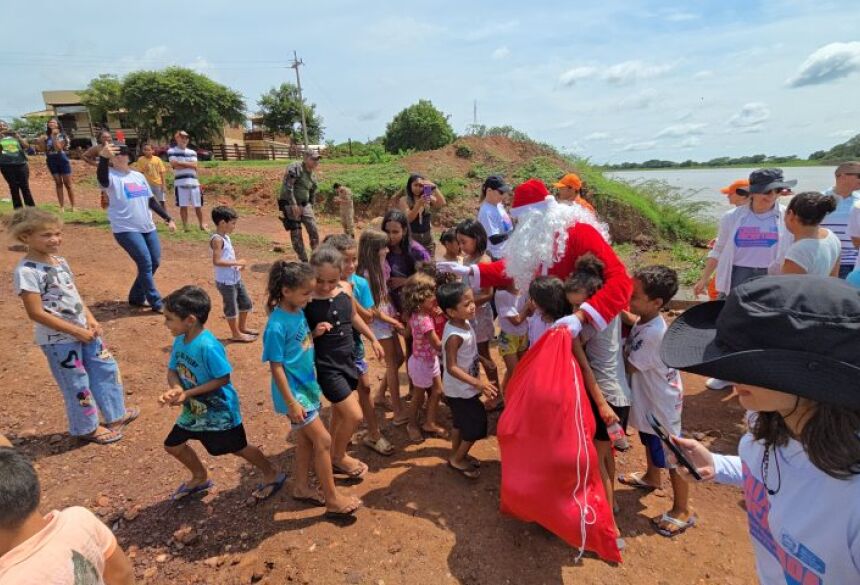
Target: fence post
{"x": 236, "y": 151}
{"x": 272, "y": 148}
{"x": 223, "y": 152}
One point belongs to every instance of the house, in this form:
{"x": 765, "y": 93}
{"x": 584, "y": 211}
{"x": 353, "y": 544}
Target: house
{"x": 66, "y": 106}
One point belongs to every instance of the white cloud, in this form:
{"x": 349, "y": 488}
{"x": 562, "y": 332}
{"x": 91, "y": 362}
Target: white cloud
{"x": 842, "y": 134}
{"x": 647, "y": 145}
{"x": 703, "y": 74}
{"x": 595, "y": 136}
{"x": 571, "y": 76}
{"x": 679, "y": 130}
{"x": 690, "y": 142}
{"x": 638, "y": 101}
{"x": 490, "y": 30}
{"x": 750, "y": 118}
{"x": 829, "y": 63}
{"x": 630, "y": 71}
{"x": 501, "y": 53}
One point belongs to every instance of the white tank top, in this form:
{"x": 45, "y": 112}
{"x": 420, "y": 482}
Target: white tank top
{"x": 226, "y": 274}
{"x": 467, "y": 359}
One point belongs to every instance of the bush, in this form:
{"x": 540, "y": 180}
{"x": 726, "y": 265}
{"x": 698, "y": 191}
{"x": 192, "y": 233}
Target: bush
{"x": 419, "y": 127}
{"x": 463, "y": 151}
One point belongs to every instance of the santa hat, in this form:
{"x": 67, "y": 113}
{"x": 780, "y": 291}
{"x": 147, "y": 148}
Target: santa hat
{"x": 528, "y": 196}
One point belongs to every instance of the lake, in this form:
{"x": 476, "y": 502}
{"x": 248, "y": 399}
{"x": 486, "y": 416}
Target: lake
{"x": 705, "y": 184}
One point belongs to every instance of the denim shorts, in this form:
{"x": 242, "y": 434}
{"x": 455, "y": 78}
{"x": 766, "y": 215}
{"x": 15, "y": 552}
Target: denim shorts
{"x": 310, "y": 416}
{"x": 58, "y": 164}
{"x": 236, "y": 299}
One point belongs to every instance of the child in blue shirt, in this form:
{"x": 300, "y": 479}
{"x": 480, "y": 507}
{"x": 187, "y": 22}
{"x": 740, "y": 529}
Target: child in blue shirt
{"x": 289, "y": 349}
{"x": 199, "y": 381}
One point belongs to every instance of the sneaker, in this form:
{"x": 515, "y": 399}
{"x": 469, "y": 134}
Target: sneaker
{"x": 717, "y": 384}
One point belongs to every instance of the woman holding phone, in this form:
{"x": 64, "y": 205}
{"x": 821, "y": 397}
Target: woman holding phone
{"x": 56, "y": 144}
{"x": 420, "y": 198}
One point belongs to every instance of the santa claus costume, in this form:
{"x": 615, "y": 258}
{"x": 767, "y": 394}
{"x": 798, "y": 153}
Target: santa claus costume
{"x": 548, "y": 239}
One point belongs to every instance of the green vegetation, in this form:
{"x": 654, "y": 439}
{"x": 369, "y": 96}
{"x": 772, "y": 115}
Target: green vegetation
{"x": 281, "y": 110}
{"x": 419, "y": 127}
{"x": 848, "y": 150}
{"x": 757, "y": 160}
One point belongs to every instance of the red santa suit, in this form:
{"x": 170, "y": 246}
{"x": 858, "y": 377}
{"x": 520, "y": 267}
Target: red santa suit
{"x": 548, "y": 239}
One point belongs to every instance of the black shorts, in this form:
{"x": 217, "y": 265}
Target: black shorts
{"x": 600, "y": 433}
{"x": 215, "y": 442}
{"x": 336, "y": 385}
{"x": 469, "y": 417}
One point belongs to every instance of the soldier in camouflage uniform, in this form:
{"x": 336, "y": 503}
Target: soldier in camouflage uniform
{"x": 296, "y": 203}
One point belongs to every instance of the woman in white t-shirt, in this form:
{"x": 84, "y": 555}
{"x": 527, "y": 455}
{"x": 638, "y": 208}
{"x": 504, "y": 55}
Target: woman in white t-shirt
{"x": 816, "y": 250}
{"x": 129, "y": 202}
{"x": 493, "y": 216}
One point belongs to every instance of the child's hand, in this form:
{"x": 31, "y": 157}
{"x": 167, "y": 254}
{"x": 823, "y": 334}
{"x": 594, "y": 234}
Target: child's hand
{"x": 95, "y": 327}
{"x": 489, "y": 365}
{"x": 378, "y": 351}
{"x": 295, "y": 412}
{"x": 700, "y": 287}
{"x": 322, "y": 328}
{"x": 84, "y": 335}
{"x": 698, "y": 455}
{"x": 171, "y": 225}
{"x": 400, "y": 328}
{"x": 488, "y": 390}
{"x": 241, "y": 264}
{"x": 607, "y": 414}
{"x": 173, "y": 397}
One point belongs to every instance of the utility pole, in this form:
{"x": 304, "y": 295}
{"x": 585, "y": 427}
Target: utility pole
{"x": 295, "y": 65}
{"x": 475, "y": 113}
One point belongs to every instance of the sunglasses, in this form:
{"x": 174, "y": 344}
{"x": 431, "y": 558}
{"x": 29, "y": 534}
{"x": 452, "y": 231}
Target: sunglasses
{"x": 782, "y": 191}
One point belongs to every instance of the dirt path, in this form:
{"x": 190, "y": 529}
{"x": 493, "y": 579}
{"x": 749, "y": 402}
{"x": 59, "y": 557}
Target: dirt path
{"x": 421, "y": 523}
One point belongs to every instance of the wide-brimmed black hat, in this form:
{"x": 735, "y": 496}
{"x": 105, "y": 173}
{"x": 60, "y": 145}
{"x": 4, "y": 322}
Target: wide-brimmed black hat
{"x": 797, "y": 334}
{"x": 764, "y": 180}
{"x": 496, "y": 182}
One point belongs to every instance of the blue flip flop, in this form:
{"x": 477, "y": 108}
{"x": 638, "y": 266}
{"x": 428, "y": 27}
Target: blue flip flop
{"x": 275, "y": 485}
{"x": 184, "y": 491}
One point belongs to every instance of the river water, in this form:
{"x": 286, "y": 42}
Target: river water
{"x": 705, "y": 184}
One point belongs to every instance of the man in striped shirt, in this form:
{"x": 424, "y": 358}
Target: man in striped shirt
{"x": 186, "y": 187}
{"x": 847, "y": 193}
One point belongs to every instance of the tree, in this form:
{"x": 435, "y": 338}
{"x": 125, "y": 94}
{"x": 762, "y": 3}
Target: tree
{"x": 160, "y": 102}
{"x": 281, "y": 110}
{"x": 102, "y": 95}
{"x": 29, "y": 127}
{"x": 420, "y": 127}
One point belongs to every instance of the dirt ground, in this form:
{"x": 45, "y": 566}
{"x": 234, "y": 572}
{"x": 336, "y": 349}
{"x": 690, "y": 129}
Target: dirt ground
{"x": 421, "y": 523}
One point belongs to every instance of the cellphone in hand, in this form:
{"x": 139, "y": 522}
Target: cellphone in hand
{"x": 427, "y": 191}
{"x": 660, "y": 431}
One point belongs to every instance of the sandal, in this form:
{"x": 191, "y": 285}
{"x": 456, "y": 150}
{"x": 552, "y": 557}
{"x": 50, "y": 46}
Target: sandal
{"x": 131, "y": 414}
{"x": 275, "y": 485}
{"x": 104, "y": 438}
{"x": 399, "y": 422}
{"x": 439, "y": 433}
{"x": 680, "y": 525}
{"x": 414, "y": 433}
{"x": 635, "y": 480}
{"x": 358, "y": 473}
{"x": 381, "y": 445}
{"x": 343, "y": 513}
{"x": 184, "y": 491}
{"x": 317, "y": 500}
{"x": 469, "y": 473}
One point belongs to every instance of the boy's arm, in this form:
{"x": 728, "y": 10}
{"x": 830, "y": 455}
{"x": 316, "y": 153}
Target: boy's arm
{"x": 606, "y": 413}
{"x": 522, "y": 315}
{"x": 118, "y": 568}
{"x": 452, "y": 367}
{"x": 207, "y": 387}
{"x": 35, "y": 311}
{"x": 217, "y": 245}
{"x": 173, "y": 380}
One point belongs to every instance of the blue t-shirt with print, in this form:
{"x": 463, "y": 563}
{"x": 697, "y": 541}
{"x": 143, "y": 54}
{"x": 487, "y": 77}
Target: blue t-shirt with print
{"x": 364, "y": 297}
{"x": 198, "y": 362}
{"x": 287, "y": 340}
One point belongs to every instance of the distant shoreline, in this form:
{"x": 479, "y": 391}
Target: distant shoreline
{"x": 796, "y": 163}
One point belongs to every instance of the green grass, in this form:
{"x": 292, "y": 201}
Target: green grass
{"x": 367, "y": 181}
{"x": 242, "y": 182}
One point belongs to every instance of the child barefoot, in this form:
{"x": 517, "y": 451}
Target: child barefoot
{"x": 66, "y": 547}
{"x": 68, "y": 334}
{"x": 228, "y": 276}
{"x": 372, "y": 252}
{"x": 332, "y": 320}
{"x": 657, "y": 390}
{"x": 473, "y": 244}
{"x": 461, "y": 385}
{"x": 419, "y": 301}
{"x": 344, "y": 244}
{"x": 199, "y": 381}
{"x": 289, "y": 349}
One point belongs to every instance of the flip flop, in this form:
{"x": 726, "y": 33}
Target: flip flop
{"x": 381, "y": 445}
{"x": 440, "y": 434}
{"x": 399, "y": 422}
{"x": 473, "y": 462}
{"x": 275, "y": 485}
{"x": 679, "y": 524}
{"x": 184, "y": 491}
{"x": 635, "y": 480}
{"x": 347, "y": 512}
{"x": 467, "y": 473}
{"x": 131, "y": 414}
{"x": 357, "y": 473}
{"x": 316, "y": 501}
{"x": 104, "y": 438}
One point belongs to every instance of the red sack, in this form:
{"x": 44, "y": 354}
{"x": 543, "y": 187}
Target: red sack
{"x": 550, "y": 472}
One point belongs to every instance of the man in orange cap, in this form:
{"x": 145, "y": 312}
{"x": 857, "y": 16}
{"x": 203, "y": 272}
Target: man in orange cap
{"x": 569, "y": 189}
{"x": 738, "y": 192}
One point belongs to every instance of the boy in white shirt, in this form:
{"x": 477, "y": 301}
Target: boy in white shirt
{"x": 657, "y": 391}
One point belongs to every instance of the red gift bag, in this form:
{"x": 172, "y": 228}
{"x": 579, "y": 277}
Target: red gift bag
{"x": 550, "y": 472}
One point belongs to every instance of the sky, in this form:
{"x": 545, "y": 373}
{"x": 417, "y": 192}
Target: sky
{"x": 610, "y": 81}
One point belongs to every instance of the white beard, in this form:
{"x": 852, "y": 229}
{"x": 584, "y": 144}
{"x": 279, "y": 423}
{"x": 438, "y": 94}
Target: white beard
{"x": 540, "y": 239}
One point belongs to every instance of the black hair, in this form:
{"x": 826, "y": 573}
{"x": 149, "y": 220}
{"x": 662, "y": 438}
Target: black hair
{"x": 658, "y": 282}
{"x": 340, "y": 242}
{"x": 412, "y": 178}
{"x": 587, "y": 275}
{"x": 223, "y": 213}
{"x": 810, "y": 207}
{"x": 473, "y": 229}
{"x": 326, "y": 255}
{"x": 335, "y": 187}
{"x": 449, "y": 235}
{"x": 399, "y": 217}
{"x": 19, "y": 488}
{"x": 547, "y": 292}
{"x": 289, "y": 275}
{"x": 448, "y": 296}
{"x": 189, "y": 301}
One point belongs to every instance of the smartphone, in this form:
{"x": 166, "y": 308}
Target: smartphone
{"x": 427, "y": 191}
{"x": 660, "y": 431}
